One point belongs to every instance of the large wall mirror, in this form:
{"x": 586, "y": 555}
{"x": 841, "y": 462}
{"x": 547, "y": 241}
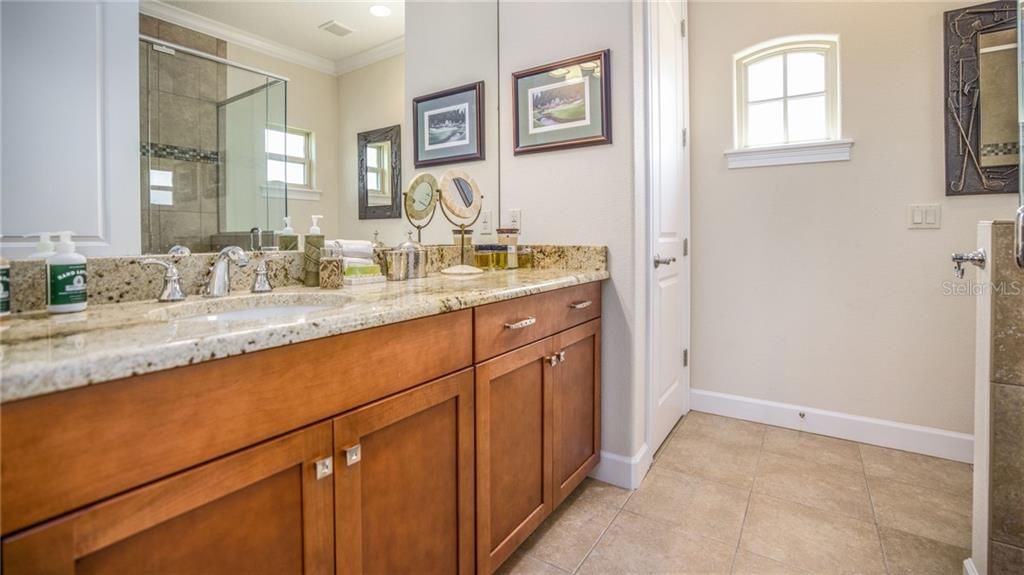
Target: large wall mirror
{"x": 217, "y": 117}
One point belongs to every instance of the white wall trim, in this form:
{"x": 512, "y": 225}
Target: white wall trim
{"x": 969, "y": 568}
{"x": 237, "y": 36}
{"x": 278, "y": 193}
{"x": 810, "y": 153}
{"x": 904, "y": 436}
{"x": 370, "y": 56}
{"x": 626, "y": 472}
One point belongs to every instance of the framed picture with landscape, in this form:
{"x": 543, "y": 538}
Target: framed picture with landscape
{"x": 449, "y": 126}
{"x": 565, "y": 104}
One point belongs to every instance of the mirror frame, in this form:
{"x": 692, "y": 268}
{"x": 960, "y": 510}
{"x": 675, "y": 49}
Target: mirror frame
{"x": 391, "y": 134}
{"x": 964, "y": 174}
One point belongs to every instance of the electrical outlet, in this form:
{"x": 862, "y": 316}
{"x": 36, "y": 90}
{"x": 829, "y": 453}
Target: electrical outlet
{"x": 515, "y": 219}
{"x": 485, "y": 223}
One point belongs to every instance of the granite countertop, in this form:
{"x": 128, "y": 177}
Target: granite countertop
{"x": 42, "y": 353}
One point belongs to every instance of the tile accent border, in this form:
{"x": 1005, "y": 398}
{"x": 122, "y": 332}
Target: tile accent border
{"x": 170, "y": 152}
{"x": 885, "y": 433}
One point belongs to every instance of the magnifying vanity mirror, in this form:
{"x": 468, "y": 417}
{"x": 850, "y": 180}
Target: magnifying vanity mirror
{"x": 421, "y": 202}
{"x": 461, "y": 202}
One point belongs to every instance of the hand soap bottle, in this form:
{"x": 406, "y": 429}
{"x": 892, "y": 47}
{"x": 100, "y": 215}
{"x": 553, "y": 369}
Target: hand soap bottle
{"x": 287, "y": 239}
{"x": 314, "y": 241}
{"x": 44, "y": 247}
{"x": 66, "y": 278}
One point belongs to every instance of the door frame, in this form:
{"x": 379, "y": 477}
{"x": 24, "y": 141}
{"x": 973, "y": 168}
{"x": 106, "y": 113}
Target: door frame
{"x": 644, "y": 167}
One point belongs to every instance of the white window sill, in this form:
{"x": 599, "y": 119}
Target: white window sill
{"x": 294, "y": 193}
{"x": 809, "y": 153}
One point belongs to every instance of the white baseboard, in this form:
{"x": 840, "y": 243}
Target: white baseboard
{"x": 626, "y": 472}
{"x": 969, "y": 568}
{"x": 903, "y": 436}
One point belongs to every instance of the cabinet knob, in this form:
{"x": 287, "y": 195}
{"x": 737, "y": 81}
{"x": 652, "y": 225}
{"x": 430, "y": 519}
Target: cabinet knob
{"x": 324, "y": 467}
{"x": 353, "y": 455}
{"x": 561, "y": 356}
{"x": 553, "y": 360}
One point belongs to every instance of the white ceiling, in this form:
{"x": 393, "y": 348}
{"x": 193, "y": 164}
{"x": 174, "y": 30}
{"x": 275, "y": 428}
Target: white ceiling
{"x": 294, "y": 23}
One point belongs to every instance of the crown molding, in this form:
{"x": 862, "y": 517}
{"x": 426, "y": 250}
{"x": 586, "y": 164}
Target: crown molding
{"x": 233, "y": 35}
{"x": 371, "y": 56}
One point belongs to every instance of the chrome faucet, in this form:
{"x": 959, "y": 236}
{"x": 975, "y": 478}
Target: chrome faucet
{"x": 172, "y": 280}
{"x": 220, "y": 278}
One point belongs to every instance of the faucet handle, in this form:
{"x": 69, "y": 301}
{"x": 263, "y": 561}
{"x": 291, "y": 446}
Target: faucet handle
{"x": 172, "y": 280}
{"x": 261, "y": 281}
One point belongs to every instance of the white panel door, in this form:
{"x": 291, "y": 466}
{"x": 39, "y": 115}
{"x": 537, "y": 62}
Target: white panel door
{"x": 669, "y": 220}
{"x": 70, "y": 116}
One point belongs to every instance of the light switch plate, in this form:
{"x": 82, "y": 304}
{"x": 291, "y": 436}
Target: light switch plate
{"x": 515, "y": 219}
{"x": 924, "y": 216}
{"x": 486, "y": 227}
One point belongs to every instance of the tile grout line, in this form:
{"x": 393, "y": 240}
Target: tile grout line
{"x": 874, "y": 513}
{"x": 601, "y": 536}
{"x": 746, "y": 510}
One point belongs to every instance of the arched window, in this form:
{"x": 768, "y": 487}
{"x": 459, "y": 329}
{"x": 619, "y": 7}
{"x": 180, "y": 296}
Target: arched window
{"x": 787, "y": 92}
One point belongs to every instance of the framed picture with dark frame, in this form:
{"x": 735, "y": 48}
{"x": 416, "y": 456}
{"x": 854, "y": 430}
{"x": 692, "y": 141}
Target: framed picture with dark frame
{"x": 449, "y": 126}
{"x": 565, "y": 104}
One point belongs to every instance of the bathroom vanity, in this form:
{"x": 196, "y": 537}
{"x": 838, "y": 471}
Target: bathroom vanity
{"x": 407, "y": 431}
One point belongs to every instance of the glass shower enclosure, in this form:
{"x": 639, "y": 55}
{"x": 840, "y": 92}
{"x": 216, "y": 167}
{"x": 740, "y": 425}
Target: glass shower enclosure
{"x": 207, "y": 127}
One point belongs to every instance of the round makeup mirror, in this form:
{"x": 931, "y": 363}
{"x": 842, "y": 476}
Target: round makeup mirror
{"x": 460, "y": 195}
{"x": 420, "y": 197}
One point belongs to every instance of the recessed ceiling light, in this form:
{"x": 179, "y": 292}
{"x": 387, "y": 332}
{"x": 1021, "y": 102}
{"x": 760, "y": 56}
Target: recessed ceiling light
{"x": 380, "y": 11}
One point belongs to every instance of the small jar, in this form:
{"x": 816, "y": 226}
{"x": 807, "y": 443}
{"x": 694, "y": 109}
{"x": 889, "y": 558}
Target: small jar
{"x": 483, "y": 257}
{"x": 331, "y": 276}
{"x": 524, "y": 257}
{"x": 508, "y": 236}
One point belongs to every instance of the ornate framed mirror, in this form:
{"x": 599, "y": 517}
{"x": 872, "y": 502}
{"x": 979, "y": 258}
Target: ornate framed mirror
{"x": 980, "y": 99}
{"x": 380, "y": 173}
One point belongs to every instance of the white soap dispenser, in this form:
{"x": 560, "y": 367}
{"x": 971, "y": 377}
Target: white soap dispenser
{"x": 66, "y": 277}
{"x": 44, "y": 247}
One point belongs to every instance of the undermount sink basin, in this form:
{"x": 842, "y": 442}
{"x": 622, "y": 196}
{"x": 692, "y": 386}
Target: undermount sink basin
{"x": 256, "y": 313}
{"x": 283, "y": 307}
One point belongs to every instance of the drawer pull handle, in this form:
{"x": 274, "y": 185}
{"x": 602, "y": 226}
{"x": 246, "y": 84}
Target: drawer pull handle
{"x": 581, "y": 304}
{"x": 521, "y": 323}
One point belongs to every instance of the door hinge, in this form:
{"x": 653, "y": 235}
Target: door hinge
{"x": 686, "y": 247}
{"x": 353, "y": 455}
{"x": 682, "y": 27}
{"x": 686, "y": 357}
{"x": 685, "y": 134}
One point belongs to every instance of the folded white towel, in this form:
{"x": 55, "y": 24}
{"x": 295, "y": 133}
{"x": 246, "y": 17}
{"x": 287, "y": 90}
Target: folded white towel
{"x": 354, "y": 248}
{"x": 347, "y": 262}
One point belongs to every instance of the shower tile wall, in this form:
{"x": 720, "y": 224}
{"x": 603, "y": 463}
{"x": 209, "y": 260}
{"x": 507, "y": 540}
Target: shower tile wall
{"x": 1006, "y": 531}
{"x": 178, "y": 127}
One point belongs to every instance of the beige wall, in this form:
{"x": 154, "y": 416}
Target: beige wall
{"x": 582, "y": 195}
{"x": 368, "y": 98}
{"x": 808, "y": 288}
{"x": 312, "y": 105}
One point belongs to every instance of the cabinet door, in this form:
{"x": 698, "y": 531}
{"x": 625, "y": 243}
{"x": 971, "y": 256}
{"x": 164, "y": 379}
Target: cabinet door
{"x": 577, "y": 406}
{"x": 261, "y": 510}
{"x": 513, "y": 430}
{"x": 404, "y": 482}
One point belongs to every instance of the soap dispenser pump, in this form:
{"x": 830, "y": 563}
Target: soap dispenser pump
{"x": 314, "y": 241}
{"x": 287, "y": 239}
{"x": 66, "y": 278}
{"x": 44, "y": 247}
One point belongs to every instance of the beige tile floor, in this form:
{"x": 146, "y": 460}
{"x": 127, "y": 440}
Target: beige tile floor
{"x": 730, "y": 496}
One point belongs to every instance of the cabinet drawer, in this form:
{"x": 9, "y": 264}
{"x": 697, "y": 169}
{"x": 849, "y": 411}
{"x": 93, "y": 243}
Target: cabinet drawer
{"x": 507, "y": 325}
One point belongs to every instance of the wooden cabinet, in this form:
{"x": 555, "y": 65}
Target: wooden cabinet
{"x": 576, "y": 430}
{"x": 262, "y": 510}
{"x": 404, "y": 482}
{"x": 513, "y": 438}
{"x": 538, "y": 435}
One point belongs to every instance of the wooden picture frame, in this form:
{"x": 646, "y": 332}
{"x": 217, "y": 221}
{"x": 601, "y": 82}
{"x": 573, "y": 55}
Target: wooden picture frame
{"x": 570, "y": 100}
{"x": 462, "y": 142}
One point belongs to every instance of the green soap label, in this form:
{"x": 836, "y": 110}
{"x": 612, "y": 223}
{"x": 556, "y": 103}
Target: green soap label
{"x": 5, "y": 290}
{"x": 67, "y": 284}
